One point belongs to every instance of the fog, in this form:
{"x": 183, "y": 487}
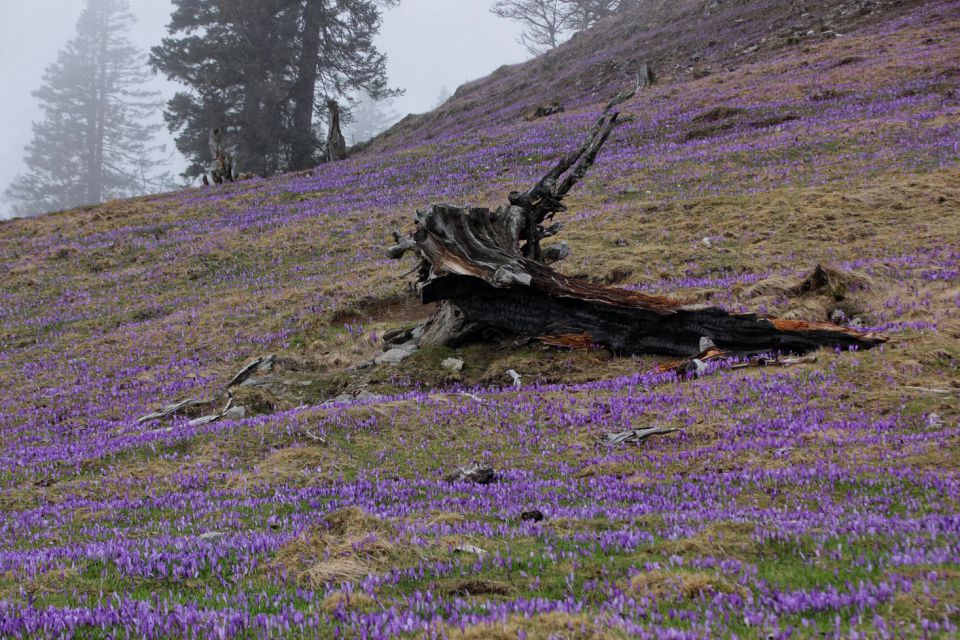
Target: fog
{"x": 430, "y": 45}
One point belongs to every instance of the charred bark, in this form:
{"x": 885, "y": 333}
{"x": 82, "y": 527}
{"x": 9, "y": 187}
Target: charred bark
{"x": 489, "y": 270}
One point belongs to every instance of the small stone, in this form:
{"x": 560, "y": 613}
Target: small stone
{"x": 698, "y": 367}
{"x": 452, "y": 364}
{"x": 856, "y": 323}
{"x": 235, "y": 413}
{"x": 469, "y": 548}
{"x": 934, "y": 421}
{"x": 706, "y": 344}
{"x": 366, "y": 395}
{"x": 395, "y": 356}
{"x": 473, "y": 473}
{"x": 212, "y": 536}
{"x": 707, "y": 242}
{"x": 534, "y": 515}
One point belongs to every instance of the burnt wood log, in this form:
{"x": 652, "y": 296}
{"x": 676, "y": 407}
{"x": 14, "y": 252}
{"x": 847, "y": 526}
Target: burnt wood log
{"x": 488, "y": 270}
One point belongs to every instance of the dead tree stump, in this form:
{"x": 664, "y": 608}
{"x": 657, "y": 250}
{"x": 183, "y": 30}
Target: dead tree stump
{"x": 489, "y": 270}
{"x": 336, "y": 144}
{"x": 222, "y": 162}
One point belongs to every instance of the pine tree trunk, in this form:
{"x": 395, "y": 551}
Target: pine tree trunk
{"x": 96, "y": 114}
{"x": 304, "y": 92}
{"x": 102, "y": 98}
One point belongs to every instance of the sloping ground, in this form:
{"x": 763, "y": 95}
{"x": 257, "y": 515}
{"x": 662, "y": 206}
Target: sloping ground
{"x": 821, "y": 499}
{"x": 682, "y": 40}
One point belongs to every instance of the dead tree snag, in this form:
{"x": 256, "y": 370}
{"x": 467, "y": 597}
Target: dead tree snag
{"x": 222, "y": 163}
{"x": 336, "y": 144}
{"x": 489, "y": 270}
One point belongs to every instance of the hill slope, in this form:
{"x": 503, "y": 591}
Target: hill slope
{"x": 822, "y": 499}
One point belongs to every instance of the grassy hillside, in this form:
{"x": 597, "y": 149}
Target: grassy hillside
{"x": 816, "y": 499}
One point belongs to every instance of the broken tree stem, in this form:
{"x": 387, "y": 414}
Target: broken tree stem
{"x": 472, "y": 261}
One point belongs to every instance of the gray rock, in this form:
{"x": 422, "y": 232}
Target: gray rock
{"x": 366, "y": 395}
{"x": 235, "y": 413}
{"x": 452, "y": 364}
{"x": 707, "y": 343}
{"x": 396, "y": 355}
{"x": 471, "y": 549}
{"x": 697, "y": 367}
{"x": 212, "y": 536}
{"x": 556, "y": 252}
{"x": 473, "y": 473}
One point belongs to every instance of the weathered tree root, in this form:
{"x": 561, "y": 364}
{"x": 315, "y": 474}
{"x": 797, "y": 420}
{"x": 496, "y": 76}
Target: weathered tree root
{"x": 489, "y": 270}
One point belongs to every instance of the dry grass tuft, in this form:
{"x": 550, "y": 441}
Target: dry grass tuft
{"x": 289, "y": 464}
{"x": 353, "y": 521}
{"x": 815, "y": 297}
{"x": 445, "y": 517}
{"x": 348, "y": 601}
{"x": 351, "y": 545}
{"x": 478, "y": 587}
{"x": 683, "y": 585}
{"x": 720, "y": 539}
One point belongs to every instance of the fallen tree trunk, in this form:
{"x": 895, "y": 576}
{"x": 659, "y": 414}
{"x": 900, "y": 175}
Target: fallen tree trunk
{"x": 489, "y": 270}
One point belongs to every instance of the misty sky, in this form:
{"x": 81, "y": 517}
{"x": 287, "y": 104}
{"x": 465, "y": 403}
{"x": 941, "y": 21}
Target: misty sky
{"x": 430, "y": 44}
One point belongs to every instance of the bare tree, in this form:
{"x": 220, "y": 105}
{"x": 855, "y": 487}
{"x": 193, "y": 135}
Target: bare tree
{"x": 585, "y": 13}
{"x": 548, "y": 23}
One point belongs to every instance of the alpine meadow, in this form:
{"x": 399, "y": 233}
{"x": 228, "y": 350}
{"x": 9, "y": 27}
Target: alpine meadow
{"x": 653, "y": 335}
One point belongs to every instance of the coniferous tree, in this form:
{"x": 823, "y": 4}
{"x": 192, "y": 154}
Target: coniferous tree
{"x": 262, "y": 71}
{"x": 369, "y": 117}
{"x": 93, "y": 143}
{"x": 442, "y": 97}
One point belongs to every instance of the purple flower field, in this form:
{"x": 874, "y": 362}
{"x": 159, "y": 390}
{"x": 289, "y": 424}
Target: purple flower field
{"x": 818, "y": 500}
